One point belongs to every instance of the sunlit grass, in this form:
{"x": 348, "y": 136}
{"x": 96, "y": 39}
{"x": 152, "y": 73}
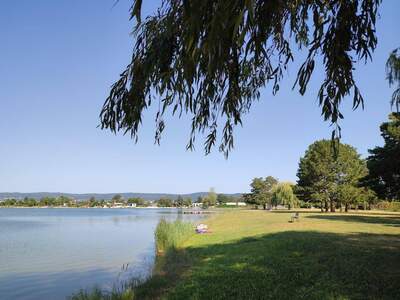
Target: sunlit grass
{"x": 257, "y": 254}
{"x": 261, "y": 255}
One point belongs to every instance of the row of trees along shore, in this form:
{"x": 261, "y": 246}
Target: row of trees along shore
{"x": 209, "y": 200}
{"x": 328, "y": 177}
{"x": 336, "y": 177}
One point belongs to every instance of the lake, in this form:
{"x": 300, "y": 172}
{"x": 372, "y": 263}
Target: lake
{"x": 50, "y": 253}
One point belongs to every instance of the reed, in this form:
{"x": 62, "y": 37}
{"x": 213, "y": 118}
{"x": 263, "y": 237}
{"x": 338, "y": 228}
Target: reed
{"x": 171, "y": 235}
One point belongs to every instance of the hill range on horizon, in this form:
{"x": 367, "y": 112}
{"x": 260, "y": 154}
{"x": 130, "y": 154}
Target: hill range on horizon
{"x": 107, "y": 196}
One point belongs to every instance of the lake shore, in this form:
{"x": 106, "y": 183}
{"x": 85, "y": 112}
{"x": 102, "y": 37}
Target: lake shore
{"x": 255, "y": 254}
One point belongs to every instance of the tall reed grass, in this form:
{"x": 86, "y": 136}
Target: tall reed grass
{"x": 168, "y": 236}
{"x": 171, "y": 235}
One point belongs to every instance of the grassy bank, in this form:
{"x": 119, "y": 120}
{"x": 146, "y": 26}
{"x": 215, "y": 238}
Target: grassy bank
{"x": 261, "y": 255}
{"x": 170, "y": 235}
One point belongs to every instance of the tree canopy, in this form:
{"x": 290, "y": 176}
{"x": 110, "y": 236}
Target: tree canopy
{"x": 210, "y": 199}
{"x": 261, "y": 191}
{"x": 165, "y": 202}
{"x": 282, "y": 194}
{"x": 384, "y": 162}
{"x": 209, "y": 59}
{"x": 393, "y": 76}
{"x": 322, "y": 174}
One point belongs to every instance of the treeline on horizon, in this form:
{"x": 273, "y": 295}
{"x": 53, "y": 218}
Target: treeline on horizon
{"x": 63, "y": 201}
{"x": 330, "y": 176}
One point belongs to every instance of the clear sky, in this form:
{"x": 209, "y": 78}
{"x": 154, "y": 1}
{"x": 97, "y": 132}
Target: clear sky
{"x": 57, "y": 62}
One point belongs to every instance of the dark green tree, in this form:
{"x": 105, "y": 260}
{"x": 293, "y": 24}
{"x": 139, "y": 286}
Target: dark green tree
{"x": 187, "y": 202}
{"x": 209, "y": 59}
{"x": 92, "y": 202}
{"x": 384, "y": 162}
{"x": 116, "y": 198}
{"x": 165, "y": 202}
{"x": 321, "y": 173}
{"x": 349, "y": 195}
{"x": 179, "y": 202}
{"x": 369, "y": 196}
{"x": 222, "y": 199}
{"x": 261, "y": 191}
{"x": 137, "y": 200}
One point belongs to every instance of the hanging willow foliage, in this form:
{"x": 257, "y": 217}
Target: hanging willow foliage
{"x": 393, "y": 76}
{"x": 209, "y": 59}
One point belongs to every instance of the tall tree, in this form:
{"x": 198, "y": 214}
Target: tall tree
{"x": 348, "y": 194}
{"x": 116, "y": 198}
{"x": 209, "y": 59}
{"x": 179, "y": 202}
{"x": 187, "y": 202}
{"x": 321, "y": 173}
{"x": 165, "y": 202}
{"x": 384, "y": 162}
{"x": 210, "y": 199}
{"x": 282, "y": 194}
{"x": 261, "y": 191}
{"x": 222, "y": 198}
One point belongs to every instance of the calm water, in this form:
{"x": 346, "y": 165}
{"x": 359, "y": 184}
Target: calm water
{"x": 51, "y": 253}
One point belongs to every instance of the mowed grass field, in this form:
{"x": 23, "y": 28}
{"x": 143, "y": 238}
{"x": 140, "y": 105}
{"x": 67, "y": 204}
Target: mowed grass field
{"x": 261, "y": 255}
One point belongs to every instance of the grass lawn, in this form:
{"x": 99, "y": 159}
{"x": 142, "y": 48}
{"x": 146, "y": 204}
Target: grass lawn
{"x": 260, "y": 255}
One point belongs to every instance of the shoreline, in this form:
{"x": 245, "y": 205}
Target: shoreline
{"x": 268, "y": 248}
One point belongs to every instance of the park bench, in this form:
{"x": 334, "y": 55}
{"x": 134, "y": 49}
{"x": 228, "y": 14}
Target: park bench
{"x": 295, "y": 216}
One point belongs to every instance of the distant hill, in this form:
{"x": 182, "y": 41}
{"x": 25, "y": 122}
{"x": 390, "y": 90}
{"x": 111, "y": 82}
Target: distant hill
{"x": 107, "y": 196}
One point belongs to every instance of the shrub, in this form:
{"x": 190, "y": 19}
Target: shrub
{"x": 170, "y": 235}
{"x": 386, "y": 205}
{"x": 304, "y": 204}
{"x": 395, "y": 206}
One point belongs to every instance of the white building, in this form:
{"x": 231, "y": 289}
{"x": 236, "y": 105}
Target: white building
{"x": 236, "y": 203}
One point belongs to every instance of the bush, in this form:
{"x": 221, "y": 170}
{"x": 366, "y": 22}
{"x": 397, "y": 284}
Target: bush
{"x": 386, "y": 205}
{"x": 304, "y": 204}
{"x": 395, "y": 206}
{"x": 170, "y": 235}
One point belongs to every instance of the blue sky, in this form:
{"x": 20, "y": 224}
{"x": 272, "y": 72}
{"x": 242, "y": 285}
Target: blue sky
{"x": 57, "y": 62}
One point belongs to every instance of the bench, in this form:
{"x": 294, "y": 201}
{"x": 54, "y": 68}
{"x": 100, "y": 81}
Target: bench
{"x": 295, "y": 216}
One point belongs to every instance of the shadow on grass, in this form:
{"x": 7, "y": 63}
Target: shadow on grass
{"x": 392, "y": 220}
{"x": 286, "y": 265}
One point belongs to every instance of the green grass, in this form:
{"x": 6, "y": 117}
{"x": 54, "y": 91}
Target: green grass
{"x": 98, "y": 294}
{"x": 261, "y": 255}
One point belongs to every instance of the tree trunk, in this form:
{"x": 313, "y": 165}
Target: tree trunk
{"x": 265, "y": 206}
{"x": 322, "y": 206}
{"x": 326, "y": 206}
{"x": 333, "y": 207}
{"x": 346, "y": 207}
